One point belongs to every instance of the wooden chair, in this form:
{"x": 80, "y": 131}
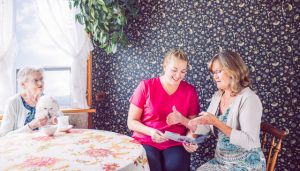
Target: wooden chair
{"x": 271, "y": 138}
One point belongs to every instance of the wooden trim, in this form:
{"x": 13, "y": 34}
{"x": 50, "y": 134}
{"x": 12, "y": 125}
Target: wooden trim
{"x": 265, "y": 127}
{"x": 72, "y": 110}
{"x": 89, "y": 80}
{"x": 89, "y": 90}
{"x": 1, "y": 117}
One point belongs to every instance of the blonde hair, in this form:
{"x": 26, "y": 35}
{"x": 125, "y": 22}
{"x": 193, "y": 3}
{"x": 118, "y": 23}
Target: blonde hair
{"x": 235, "y": 67}
{"x": 176, "y": 53}
{"x": 25, "y": 73}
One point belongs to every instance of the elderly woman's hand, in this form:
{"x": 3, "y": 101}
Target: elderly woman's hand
{"x": 204, "y": 118}
{"x": 175, "y": 117}
{"x": 158, "y": 136}
{"x": 38, "y": 122}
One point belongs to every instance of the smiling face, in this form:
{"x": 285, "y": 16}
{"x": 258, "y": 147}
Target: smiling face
{"x": 175, "y": 70}
{"x": 220, "y": 76}
{"x": 34, "y": 85}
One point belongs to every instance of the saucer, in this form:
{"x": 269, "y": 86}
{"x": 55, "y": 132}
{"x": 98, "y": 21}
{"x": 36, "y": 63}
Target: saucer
{"x": 65, "y": 128}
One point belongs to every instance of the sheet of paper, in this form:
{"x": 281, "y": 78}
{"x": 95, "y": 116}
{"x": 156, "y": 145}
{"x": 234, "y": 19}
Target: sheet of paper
{"x": 202, "y": 130}
{"x": 180, "y": 138}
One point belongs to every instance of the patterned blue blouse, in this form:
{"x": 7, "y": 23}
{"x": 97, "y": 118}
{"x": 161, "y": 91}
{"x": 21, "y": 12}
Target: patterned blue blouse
{"x": 31, "y": 114}
{"x": 230, "y": 157}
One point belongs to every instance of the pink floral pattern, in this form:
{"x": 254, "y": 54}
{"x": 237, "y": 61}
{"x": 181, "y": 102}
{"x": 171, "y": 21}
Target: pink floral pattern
{"x": 43, "y": 138}
{"x": 40, "y": 161}
{"x": 75, "y": 131}
{"x": 83, "y": 141}
{"x": 101, "y": 152}
{"x": 78, "y": 149}
{"x": 110, "y": 167}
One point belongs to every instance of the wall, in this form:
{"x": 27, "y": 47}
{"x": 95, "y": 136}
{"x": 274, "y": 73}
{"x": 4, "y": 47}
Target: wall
{"x": 265, "y": 33}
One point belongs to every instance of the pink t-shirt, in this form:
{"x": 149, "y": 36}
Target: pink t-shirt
{"x": 157, "y": 104}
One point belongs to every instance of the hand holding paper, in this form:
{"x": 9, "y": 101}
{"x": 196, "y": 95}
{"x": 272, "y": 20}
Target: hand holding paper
{"x": 190, "y": 147}
{"x": 158, "y": 136}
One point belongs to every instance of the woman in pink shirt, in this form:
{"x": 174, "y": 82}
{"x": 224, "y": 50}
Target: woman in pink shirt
{"x": 160, "y": 104}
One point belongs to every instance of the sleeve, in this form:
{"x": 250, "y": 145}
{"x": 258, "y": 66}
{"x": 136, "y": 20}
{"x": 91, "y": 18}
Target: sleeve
{"x": 194, "y": 104}
{"x": 9, "y": 121}
{"x": 250, "y": 118}
{"x": 138, "y": 97}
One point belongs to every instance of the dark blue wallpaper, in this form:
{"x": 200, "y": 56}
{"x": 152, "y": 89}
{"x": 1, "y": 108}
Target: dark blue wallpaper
{"x": 265, "y": 33}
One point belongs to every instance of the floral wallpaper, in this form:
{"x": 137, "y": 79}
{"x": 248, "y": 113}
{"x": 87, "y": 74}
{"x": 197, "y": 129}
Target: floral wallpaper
{"x": 264, "y": 32}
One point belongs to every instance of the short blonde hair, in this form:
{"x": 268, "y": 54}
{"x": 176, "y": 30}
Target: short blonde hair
{"x": 25, "y": 73}
{"x": 234, "y": 66}
{"x": 176, "y": 53}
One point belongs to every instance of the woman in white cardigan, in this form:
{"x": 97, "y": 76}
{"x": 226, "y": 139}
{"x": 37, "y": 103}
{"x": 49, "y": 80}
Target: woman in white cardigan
{"x": 234, "y": 116}
{"x": 19, "y": 114}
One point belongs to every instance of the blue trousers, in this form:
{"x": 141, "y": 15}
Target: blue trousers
{"x": 172, "y": 159}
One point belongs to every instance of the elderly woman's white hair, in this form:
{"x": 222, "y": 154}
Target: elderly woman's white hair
{"x": 25, "y": 73}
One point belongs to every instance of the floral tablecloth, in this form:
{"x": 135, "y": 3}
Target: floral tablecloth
{"x": 78, "y": 149}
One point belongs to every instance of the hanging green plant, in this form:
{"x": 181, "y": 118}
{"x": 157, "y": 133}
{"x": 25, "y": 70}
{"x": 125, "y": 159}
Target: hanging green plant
{"x": 105, "y": 20}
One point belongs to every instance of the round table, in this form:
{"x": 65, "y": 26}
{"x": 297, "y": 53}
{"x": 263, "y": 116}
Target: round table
{"x": 77, "y": 149}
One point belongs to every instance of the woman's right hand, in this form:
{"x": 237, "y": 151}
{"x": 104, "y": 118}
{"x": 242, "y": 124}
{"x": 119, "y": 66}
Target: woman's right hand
{"x": 190, "y": 147}
{"x": 38, "y": 122}
{"x": 157, "y": 136}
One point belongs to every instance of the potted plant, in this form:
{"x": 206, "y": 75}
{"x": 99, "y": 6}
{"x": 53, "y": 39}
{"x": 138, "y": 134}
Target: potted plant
{"x": 105, "y": 20}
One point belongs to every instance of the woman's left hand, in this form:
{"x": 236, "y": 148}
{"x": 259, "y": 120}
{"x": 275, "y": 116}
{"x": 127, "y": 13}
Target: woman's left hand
{"x": 206, "y": 118}
{"x": 190, "y": 147}
{"x": 175, "y": 117}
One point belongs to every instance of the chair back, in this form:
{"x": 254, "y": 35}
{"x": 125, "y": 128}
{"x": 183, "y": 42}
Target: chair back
{"x": 271, "y": 143}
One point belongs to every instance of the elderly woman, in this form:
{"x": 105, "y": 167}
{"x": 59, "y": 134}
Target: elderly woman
{"x": 234, "y": 115}
{"x": 19, "y": 114}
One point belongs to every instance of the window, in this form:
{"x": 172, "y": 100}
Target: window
{"x": 36, "y": 48}
{"x": 57, "y": 83}
{"x": 46, "y": 36}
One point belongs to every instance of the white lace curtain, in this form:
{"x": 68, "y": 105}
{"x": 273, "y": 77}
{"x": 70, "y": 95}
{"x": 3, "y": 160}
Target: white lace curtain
{"x": 7, "y": 50}
{"x": 59, "y": 21}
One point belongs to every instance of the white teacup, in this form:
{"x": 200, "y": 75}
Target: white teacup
{"x": 49, "y": 129}
{"x": 63, "y": 121}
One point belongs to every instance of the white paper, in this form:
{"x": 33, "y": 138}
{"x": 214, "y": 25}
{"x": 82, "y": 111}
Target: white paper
{"x": 180, "y": 138}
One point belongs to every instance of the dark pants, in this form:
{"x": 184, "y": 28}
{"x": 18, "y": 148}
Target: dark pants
{"x": 172, "y": 159}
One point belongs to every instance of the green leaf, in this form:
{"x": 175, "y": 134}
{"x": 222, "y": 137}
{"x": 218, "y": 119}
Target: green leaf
{"x": 78, "y": 18}
{"x": 104, "y": 8}
{"x": 92, "y": 13}
{"x": 95, "y": 26}
{"x": 100, "y": 2}
{"x": 113, "y": 47}
{"x": 76, "y": 3}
